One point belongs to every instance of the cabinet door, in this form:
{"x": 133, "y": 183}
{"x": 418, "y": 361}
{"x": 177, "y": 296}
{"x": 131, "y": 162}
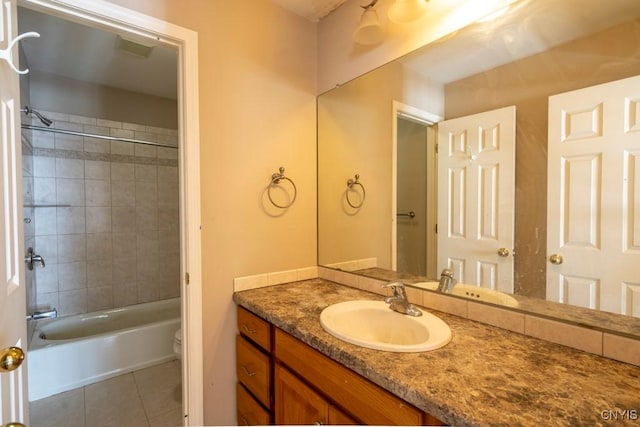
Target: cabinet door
{"x": 337, "y": 417}
{"x": 250, "y": 413}
{"x": 296, "y": 403}
{"x": 253, "y": 370}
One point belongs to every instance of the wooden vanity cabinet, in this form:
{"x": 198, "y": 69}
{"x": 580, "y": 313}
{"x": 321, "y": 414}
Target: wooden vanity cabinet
{"x": 296, "y": 403}
{"x": 282, "y": 380}
{"x": 254, "y": 369}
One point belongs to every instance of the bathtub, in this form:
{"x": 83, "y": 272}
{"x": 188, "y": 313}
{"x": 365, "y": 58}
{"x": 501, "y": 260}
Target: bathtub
{"x": 74, "y": 351}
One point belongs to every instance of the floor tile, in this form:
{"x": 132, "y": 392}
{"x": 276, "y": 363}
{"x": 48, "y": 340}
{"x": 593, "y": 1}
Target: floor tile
{"x": 114, "y": 402}
{"x": 62, "y": 410}
{"x": 173, "y": 418}
{"x": 151, "y": 397}
{"x": 160, "y": 388}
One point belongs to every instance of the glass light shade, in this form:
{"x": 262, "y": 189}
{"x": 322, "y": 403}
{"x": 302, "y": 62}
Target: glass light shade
{"x": 369, "y": 31}
{"x": 405, "y": 11}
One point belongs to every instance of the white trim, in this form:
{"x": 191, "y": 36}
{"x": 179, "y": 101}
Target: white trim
{"x": 426, "y": 118}
{"x": 106, "y": 15}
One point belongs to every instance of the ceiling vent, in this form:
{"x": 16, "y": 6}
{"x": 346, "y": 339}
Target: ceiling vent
{"x": 134, "y": 48}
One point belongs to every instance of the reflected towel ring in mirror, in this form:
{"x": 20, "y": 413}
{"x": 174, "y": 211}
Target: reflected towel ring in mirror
{"x": 350, "y": 184}
{"x": 275, "y": 179}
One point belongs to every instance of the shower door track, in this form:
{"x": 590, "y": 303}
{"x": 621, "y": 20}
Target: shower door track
{"x": 91, "y": 135}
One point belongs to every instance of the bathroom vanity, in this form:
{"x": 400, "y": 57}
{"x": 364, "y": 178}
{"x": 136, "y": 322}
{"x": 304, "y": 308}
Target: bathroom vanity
{"x": 291, "y": 371}
{"x": 308, "y": 387}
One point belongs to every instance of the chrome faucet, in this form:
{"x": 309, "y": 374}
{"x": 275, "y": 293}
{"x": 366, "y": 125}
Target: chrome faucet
{"x": 447, "y": 281}
{"x": 51, "y": 314}
{"x": 399, "y": 302}
{"x": 32, "y": 258}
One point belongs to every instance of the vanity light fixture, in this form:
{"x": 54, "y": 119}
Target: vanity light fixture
{"x": 494, "y": 15}
{"x": 406, "y": 11}
{"x": 369, "y": 30}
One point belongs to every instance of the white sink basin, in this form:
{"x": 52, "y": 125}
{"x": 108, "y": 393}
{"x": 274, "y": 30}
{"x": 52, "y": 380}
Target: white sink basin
{"x": 475, "y": 293}
{"x": 373, "y": 324}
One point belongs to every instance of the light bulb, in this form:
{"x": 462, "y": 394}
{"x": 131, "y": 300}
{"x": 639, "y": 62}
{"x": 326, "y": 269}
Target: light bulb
{"x": 405, "y": 11}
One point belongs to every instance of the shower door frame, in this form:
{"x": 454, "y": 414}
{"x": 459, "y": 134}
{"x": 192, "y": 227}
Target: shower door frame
{"x": 99, "y": 13}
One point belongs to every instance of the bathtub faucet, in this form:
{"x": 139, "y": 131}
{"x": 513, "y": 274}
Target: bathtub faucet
{"x": 51, "y": 314}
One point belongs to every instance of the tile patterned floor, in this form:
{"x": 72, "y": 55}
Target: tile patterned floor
{"x": 150, "y": 397}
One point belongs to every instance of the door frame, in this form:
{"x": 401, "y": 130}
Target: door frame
{"x": 399, "y": 109}
{"x": 106, "y": 15}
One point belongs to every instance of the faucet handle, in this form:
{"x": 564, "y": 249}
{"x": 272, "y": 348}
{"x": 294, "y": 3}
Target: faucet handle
{"x": 398, "y": 289}
{"x": 447, "y": 272}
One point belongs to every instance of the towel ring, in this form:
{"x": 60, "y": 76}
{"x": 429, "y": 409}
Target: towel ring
{"x": 350, "y": 184}
{"x": 275, "y": 179}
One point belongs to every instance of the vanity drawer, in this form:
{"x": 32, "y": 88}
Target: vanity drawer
{"x": 250, "y": 412}
{"x": 254, "y": 328}
{"x": 365, "y": 400}
{"x": 253, "y": 369}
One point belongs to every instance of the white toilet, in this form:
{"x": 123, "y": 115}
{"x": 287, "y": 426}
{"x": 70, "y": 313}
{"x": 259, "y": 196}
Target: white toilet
{"x": 177, "y": 344}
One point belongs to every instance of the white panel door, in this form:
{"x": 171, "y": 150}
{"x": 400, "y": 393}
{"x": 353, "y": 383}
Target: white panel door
{"x": 593, "y": 213}
{"x": 12, "y": 295}
{"x": 476, "y": 188}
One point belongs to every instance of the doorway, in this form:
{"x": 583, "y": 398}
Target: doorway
{"x": 414, "y": 191}
{"x": 128, "y": 22}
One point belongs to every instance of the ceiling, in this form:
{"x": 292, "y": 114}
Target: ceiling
{"x": 313, "y": 10}
{"x": 88, "y": 54}
{"x": 75, "y": 51}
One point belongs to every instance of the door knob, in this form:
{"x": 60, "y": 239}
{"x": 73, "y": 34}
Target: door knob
{"x": 11, "y": 358}
{"x": 556, "y": 259}
{"x": 503, "y": 252}
{"x": 13, "y": 425}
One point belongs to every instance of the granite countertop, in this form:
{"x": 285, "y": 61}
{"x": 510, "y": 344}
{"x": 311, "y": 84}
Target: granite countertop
{"x": 485, "y": 375}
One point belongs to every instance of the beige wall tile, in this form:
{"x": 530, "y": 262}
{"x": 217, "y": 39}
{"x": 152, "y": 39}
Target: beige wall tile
{"x": 621, "y": 348}
{"x": 279, "y": 277}
{"x": 562, "y": 333}
{"x": 445, "y": 303}
{"x": 496, "y": 316}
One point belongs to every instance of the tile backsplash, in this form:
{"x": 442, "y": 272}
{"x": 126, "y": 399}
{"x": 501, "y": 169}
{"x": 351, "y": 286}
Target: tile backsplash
{"x": 105, "y": 214}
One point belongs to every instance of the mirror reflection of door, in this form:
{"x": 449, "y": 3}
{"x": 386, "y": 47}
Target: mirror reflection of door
{"x": 476, "y": 186}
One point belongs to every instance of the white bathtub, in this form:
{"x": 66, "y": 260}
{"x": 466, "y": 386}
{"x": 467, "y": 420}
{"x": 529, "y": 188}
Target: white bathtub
{"x": 74, "y": 351}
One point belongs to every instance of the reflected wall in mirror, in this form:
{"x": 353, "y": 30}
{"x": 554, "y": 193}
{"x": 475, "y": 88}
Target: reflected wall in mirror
{"x": 538, "y": 49}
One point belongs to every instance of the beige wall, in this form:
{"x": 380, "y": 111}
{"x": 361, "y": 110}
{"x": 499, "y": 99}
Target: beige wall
{"x": 257, "y": 73}
{"x": 610, "y": 55}
{"x": 355, "y": 136}
{"x": 56, "y": 93}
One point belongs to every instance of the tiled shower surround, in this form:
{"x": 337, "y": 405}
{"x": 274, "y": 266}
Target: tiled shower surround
{"x": 105, "y": 215}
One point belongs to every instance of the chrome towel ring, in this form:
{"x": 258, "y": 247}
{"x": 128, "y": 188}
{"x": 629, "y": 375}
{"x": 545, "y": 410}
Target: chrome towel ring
{"x": 350, "y": 184}
{"x": 275, "y": 180}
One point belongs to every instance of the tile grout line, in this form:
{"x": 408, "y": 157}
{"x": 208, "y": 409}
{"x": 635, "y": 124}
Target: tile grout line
{"x": 135, "y": 382}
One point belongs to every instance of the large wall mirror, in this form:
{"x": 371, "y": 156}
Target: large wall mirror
{"x": 563, "y": 73}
